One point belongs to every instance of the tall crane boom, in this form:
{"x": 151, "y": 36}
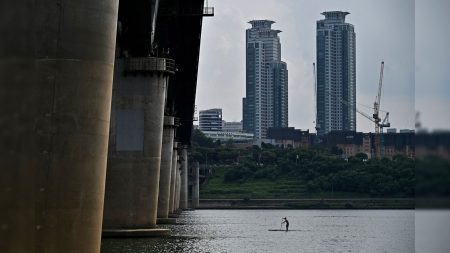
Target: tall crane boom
{"x": 379, "y": 125}
{"x": 379, "y": 143}
{"x": 376, "y": 104}
{"x": 346, "y": 103}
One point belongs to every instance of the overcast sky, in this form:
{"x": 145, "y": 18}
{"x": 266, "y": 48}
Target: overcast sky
{"x": 385, "y": 30}
{"x": 433, "y": 63}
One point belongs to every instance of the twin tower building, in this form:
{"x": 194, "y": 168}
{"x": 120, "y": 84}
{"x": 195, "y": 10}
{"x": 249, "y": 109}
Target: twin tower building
{"x": 266, "y": 101}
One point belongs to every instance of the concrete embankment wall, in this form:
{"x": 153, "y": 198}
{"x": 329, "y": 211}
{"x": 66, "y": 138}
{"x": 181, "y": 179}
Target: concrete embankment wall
{"x": 367, "y": 203}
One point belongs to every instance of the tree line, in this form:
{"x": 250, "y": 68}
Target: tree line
{"x": 319, "y": 169}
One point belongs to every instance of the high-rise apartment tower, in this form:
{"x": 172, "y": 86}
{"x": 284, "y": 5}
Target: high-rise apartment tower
{"x": 266, "y": 101}
{"x": 336, "y": 74}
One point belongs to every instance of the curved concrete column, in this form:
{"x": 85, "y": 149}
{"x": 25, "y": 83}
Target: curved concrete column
{"x": 56, "y": 69}
{"x": 173, "y": 177}
{"x": 178, "y": 189}
{"x": 166, "y": 167}
{"x": 134, "y": 155}
{"x": 196, "y": 185}
{"x": 184, "y": 179}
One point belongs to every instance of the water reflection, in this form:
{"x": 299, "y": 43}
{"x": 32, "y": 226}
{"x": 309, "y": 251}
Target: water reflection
{"x": 248, "y": 231}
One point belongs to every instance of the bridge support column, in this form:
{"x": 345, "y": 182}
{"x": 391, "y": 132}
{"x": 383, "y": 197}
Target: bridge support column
{"x": 132, "y": 179}
{"x": 184, "y": 179}
{"x": 178, "y": 189}
{"x": 196, "y": 186}
{"x": 55, "y": 96}
{"x": 166, "y": 170}
{"x": 173, "y": 178}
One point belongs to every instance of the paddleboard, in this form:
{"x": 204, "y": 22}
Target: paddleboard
{"x": 282, "y": 230}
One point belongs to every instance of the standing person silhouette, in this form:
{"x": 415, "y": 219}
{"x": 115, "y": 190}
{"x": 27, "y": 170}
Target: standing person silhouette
{"x": 287, "y": 223}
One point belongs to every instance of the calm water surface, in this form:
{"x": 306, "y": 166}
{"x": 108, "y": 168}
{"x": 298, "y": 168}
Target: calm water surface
{"x": 247, "y": 231}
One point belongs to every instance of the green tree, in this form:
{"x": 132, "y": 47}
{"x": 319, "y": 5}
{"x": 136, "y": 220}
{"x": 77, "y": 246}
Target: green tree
{"x": 362, "y": 156}
{"x": 335, "y": 150}
{"x": 229, "y": 143}
{"x": 199, "y": 139}
{"x": 268, "y": 157}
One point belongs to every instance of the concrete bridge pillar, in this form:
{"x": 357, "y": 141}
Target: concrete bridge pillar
{"x": 196, "y": 185}
{"x": 173, "y": 177}
{"x": 184, "y": 179}
{"x": 135, "y": 142}
{"x": 178, "y": 189}
{"x": 55, "y": 95}
{"x": 166, "y": 168}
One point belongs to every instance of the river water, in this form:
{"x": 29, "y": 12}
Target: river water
{"x": 310, "y": 231}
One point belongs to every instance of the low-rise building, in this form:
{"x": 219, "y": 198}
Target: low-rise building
{"x": 232, "y": 126}
{"x": 350, "y": 142}
{"x": 399, "y": 144}
{"x": 353, "y": 143}
{"x": 391, "y": 130}
{"x": 435, "y": 143}
{"x": 237, "y": 137}
{"x": 210, "y": 120}
{"x": 289, "y": 136}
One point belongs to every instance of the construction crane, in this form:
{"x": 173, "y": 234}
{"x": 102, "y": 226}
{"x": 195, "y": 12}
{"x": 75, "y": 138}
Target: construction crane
{"x": 379, "y": 124}
{"x": 376, "y": 104}
{"x": 379, "y": 145}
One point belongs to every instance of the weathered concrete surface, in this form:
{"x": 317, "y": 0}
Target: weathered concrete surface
{"x": 173, "y": 177}
{"x": 56, "y": 73}
{"x": 155, "y": 232}
{"x": 166, "y": 167}
{"x": 134, "y": 154}
{"x": 196, "y": 185}
{"x": 174, "y": 215}
{"x": 166, "y": 221}
{"x": 178, "y": 190}
{"x": 184, "y": 179}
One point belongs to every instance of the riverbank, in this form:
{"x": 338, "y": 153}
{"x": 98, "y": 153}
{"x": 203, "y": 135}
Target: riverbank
{"x": 350, "y": 203}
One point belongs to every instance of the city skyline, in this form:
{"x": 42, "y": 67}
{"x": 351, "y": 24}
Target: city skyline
{"x": 376, "y": 42}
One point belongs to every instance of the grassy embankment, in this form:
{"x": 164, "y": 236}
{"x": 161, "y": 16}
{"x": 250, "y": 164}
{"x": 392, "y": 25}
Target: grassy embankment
{"x": 284, "y": 173}
{"x": 286, "y": 193}
{"x": 282, "y": 188}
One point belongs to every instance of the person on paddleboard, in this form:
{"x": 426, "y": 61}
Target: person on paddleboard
{"x": 287, "y": 223}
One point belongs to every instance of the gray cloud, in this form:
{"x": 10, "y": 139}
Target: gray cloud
{"x": 384, "y": 30}
{"x": 432, "y": 63}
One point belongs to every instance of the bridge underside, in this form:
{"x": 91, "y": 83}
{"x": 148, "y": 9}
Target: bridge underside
{"x": 154, "y": 83}
{"x": 178, "y": 30}
{"x": 59, "y": 101}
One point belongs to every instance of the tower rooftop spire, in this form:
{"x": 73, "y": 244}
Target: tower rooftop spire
{"x": 335, "y": 15}
{"x": 262, "y": 23}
